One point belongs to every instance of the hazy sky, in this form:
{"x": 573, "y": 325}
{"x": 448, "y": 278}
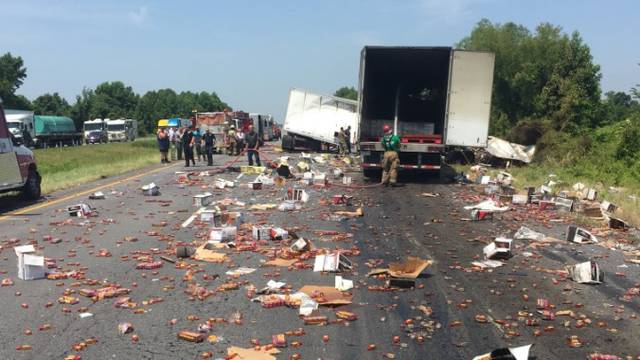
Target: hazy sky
{"x": 252, "y": 52}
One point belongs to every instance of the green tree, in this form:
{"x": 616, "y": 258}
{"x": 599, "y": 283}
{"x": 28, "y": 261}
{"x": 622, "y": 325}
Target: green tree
{"x": 51, "y": 104}
{"x": 347, "y": 93}
{"x": 635, "y": 91}
{"x": 81, "y": 109}
{"x": 617, "y": 106}
{"x": 113, "y": 100}
{"x": 571, "y": 97}
{"x": 165, "y": 103}
{"x": 629, "y": 147}
{"x": 12, "y": 75}
{"x": 155, "y": 105}
{"x": 542, "y": 80}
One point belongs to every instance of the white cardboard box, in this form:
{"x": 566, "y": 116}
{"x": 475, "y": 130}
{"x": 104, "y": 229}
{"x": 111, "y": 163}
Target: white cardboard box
{"x": 261, "y": 232}
{"x": 223, "y": 234}
{"x": 331, "y": 262}
{"x": 202, "y": 200}
{"x": 30, "y": 266}
{"x": 500, "y": 248}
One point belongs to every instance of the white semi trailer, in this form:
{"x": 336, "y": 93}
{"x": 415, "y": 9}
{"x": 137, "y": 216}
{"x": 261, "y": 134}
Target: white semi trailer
{"x": 312, "y": 120}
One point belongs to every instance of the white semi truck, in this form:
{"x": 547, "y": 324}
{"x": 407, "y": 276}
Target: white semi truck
{"x": 20, "y": 124}
{"x": 122, "y": 130}
{"x": 312, "y": 120}
{"x": 94, "y": 131}
{"x": 432, "y": 97}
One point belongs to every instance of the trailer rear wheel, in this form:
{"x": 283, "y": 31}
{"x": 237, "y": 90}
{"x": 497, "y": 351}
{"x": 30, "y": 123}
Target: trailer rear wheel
{"x": 31, "y": 189}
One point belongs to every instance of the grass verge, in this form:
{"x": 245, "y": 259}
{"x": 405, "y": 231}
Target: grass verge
{"x": 63, "y": 168}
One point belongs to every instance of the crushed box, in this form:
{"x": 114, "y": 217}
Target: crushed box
{"x": 30, "y": 265}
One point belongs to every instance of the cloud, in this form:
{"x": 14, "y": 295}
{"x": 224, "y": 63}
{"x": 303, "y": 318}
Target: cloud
{"x": 140, "y": 16}
{"x": 450, "y": 10}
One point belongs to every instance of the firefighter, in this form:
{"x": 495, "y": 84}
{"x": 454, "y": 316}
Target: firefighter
{"x": 390, "y": 160}
{"x": 231, "y": 140}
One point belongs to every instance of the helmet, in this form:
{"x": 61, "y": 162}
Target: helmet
{"x": 232, "y": 127}
{"x": 386, "y": 128}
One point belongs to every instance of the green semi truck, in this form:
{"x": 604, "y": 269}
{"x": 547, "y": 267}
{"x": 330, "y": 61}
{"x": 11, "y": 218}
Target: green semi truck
{"x": 43, "y": 130}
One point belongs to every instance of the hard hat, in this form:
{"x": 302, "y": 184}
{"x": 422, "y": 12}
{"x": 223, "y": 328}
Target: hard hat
{"x": 232, "y": 127}
{"x": 386, "y": 128}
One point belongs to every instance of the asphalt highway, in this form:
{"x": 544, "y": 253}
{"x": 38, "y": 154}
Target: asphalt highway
{"x": 454, "y": 312}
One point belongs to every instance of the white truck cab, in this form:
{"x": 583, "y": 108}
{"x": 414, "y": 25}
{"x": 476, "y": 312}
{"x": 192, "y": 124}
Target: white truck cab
{"x": 94, "y": 131}
{"x": 20, "y": 124}
{"x": 18, "y": 164}
{"x": 122, "y": 129}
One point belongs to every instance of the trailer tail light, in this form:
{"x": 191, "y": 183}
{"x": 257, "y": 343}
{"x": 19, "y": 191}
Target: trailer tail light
{"x": 437, "y": 141}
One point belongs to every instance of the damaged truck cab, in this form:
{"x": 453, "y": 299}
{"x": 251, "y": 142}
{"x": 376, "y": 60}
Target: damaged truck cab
{"x": 432, "y": 97}
{"x": 17, "y": 164}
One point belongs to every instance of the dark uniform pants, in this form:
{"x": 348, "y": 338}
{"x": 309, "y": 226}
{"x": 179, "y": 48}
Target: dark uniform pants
{"x": 251, "y": 154}
{"x": 188, "y": 155}
{"x": 209, "y": 151}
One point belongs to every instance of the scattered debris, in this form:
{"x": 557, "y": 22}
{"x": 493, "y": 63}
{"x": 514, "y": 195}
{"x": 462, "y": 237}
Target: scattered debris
{"x": 586, "y": 273}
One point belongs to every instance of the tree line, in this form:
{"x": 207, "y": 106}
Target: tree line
{"x": 546, "y": 84}
{"x": 107, "y": 100}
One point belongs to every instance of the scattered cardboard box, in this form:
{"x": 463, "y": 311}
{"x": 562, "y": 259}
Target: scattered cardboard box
{"x": 516, "y": 353}
{"x": 332, "y": 262}
{"x": 579, "y": 235}
{"x": 223, "y": 234}
{"x": 343, "y": 284}
{"x": 410, "y": 268}
{"x": 278, "y": 234}
{"x": 98, "y": 195}
{"x": 261, "y": 232}
{"x": 357, "y": 213}
{"x": 30, "y": 265}
{"x": 80, "y": 210}
{"x": 150, "y": 189}
{"x": 240, "y": 271}
{"x": 586, "y": 273}
{"x": 301, "y": 245}
{"x": 608, "y": 207}
{"x": 483, "y": 264}
{"x": 238, "y": 353}
{"x": 617, "y": 223}
{"x": 202, "y": 200}
{"x": 296, "y": 195}
{"x": 327, "y": 295}
{"x": 252, "y": 170}
{"x": 564, "y": 204}
{"x": 280, "y": 262}
{"x": 500, "y": 248}
{"x": 204, "y": 254}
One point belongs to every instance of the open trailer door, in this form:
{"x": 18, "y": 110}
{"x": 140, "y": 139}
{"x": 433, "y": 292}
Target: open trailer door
{"x": 469, "y": 105}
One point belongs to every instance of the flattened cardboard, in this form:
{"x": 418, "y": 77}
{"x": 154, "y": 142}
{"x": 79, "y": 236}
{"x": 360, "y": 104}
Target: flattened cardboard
{"x": 251, "y": 354}
{"x": 411, "y": 268}
{"x": 332, "y": 295}
{"x": 280, "y": 262}
{"x": 358, "y": 213}
{"x": 203, "y": 254}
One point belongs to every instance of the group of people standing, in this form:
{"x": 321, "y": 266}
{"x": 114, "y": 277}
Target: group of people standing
{"x": 185, "y": 141}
